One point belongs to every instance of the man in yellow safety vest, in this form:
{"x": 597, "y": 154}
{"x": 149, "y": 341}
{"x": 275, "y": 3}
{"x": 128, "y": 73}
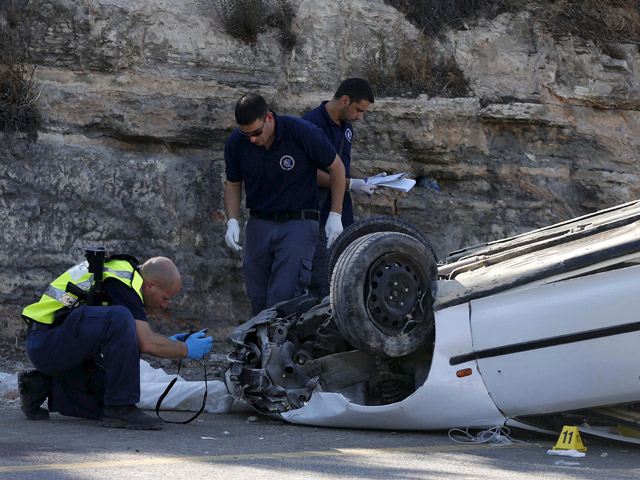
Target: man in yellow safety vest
{"x": 87, "y": 356}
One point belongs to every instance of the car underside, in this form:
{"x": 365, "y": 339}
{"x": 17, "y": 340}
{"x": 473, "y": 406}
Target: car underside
{"x": 535, "y": 331}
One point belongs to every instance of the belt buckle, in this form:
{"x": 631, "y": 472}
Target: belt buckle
{"x": 282, "y": 217}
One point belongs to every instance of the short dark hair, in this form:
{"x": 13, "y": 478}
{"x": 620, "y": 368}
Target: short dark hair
{"x": 357, "y": 89}
{"x": 249, "y": 108}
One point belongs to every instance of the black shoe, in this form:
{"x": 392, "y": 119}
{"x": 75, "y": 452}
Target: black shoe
{"x": 34, "y": 388}
{"x": 128, "y": 416}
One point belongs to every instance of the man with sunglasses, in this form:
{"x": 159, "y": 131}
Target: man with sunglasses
{"x": 277, "y": 157}
{"x": 335, "y": 117}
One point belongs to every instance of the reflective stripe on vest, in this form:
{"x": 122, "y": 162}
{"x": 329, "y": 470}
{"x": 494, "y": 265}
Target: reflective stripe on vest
{"x": 55, "y": 297}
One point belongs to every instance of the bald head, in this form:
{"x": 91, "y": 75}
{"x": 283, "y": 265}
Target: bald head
{"x": 160, "y": 270}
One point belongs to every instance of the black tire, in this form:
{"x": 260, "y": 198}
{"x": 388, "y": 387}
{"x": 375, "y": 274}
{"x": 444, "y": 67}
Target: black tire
{"x": 371, "y": 225}
{"x": 381, "y": 294}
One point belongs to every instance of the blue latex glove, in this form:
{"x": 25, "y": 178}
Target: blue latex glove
{"x": 179, "y": 337}
{"x": 198, "y": 345}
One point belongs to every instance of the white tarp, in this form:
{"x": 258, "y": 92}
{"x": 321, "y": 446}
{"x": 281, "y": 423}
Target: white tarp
{"x": 184, "y": 395}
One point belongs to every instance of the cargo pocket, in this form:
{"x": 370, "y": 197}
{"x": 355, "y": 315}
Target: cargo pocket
{"x": 304, "y": 278}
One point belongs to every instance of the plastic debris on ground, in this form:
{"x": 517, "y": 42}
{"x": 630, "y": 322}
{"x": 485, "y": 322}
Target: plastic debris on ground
{"x": 185, "y": 396}
{"x": 566, "y": 463}
{"x": 567, "y": 453}
{"x": 495, "y": 436}
{"x": 428, "y": 183}
{"x": 9, "y": 386}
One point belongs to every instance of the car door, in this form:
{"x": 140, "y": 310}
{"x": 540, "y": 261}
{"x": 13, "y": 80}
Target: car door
{"x": 560, "y": 346}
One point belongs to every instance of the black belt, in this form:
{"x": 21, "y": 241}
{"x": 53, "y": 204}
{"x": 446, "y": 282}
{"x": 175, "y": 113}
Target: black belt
{"x": 282, "y": 217}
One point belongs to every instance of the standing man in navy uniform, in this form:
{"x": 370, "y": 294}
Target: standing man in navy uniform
{"x": 334, "y": 117}
{"x": 277, "y": 157}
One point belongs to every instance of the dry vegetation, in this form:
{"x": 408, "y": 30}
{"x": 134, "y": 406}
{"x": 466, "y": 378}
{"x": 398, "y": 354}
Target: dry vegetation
{"x": 412, "y": 69}
{"x": 246, "y": 19}
{"x": 604, "y": 22}
{"x": 18, "y": 97}
{"x": 601, "y": 21}
{"x": 431, "y": 16}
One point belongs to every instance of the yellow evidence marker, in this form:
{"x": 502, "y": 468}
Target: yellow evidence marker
{"x": 569, "y": 439}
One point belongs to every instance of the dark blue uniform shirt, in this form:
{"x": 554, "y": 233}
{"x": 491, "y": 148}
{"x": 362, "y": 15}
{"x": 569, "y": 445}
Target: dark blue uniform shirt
{"x": 120, "y": 294}
{"x": 283, "y": 177}
{"x": 340, "y": 136}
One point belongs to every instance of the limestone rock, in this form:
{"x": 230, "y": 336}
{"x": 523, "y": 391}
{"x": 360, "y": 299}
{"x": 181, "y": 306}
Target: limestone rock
{"x": 137, "y": 100}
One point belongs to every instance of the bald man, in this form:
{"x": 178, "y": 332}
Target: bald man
{"x": 87, "y": 358}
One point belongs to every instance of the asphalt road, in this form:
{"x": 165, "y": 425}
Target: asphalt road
{"x": 232, "y": 447}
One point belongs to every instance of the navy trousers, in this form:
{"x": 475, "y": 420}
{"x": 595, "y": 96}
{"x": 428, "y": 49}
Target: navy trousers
{"x": 278, "y": 260}
{"x": 319, "y": 286}
{"x": 93, "y": 359}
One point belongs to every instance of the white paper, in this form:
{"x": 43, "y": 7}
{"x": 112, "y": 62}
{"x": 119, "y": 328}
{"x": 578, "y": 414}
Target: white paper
{"x": 397, "y": 181}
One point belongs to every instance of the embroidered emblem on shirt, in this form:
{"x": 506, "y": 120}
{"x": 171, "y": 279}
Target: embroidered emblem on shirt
{"x": 287, "y": 162}
{"x": 349, "y": 134}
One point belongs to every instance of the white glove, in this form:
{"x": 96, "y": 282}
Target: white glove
{"x": 333, "y": 227}
{"x": 233, "y": 235}
{"x": 361, "y": 186}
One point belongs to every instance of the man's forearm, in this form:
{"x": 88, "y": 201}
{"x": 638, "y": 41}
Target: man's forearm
{"x": 232, "y": 199}
{"x": 153, "y": 343}
{"x": 337, "y": 182}
{"x": 356, "y": 173}
{"x": 324, "y": 179}
{"x": 165, "y": 348}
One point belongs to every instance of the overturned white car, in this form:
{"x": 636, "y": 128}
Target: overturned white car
{"x": 536, "y": 331}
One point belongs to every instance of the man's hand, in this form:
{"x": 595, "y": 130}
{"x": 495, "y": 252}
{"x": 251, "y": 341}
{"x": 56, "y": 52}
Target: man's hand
{"x": 198, "y": 345}
{"x": 333, "y": 227}
{"x": 361, "y": 186}
{"x": 179, "y": 337}
{"x": 233, "y": 235}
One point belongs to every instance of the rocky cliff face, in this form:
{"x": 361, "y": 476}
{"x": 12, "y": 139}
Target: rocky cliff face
{"x": 137, "y": 100}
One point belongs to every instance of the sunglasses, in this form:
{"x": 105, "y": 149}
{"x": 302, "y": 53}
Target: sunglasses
{"x": 255, "y": 133}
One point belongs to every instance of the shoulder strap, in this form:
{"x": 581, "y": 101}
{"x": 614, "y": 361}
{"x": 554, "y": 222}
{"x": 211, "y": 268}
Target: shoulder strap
{"x": 123, "y": 256}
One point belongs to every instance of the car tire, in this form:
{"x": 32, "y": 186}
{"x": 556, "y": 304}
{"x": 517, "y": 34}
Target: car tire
{"x": 381, "y": 294}
{"x": 366, "y": 226}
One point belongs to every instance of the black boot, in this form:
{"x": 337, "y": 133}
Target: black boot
{"x": 128, "y": 416}
{"x": 34, "y": 388}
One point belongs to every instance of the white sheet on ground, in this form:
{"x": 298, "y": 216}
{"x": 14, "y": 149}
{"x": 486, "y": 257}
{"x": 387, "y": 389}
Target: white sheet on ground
{"x": 185, "y": 395}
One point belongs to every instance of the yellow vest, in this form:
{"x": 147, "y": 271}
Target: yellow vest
{"x": 55, "y": 297}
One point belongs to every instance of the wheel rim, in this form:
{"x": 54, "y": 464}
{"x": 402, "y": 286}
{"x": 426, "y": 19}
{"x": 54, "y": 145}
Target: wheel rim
{"x": 396, "y": 289}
